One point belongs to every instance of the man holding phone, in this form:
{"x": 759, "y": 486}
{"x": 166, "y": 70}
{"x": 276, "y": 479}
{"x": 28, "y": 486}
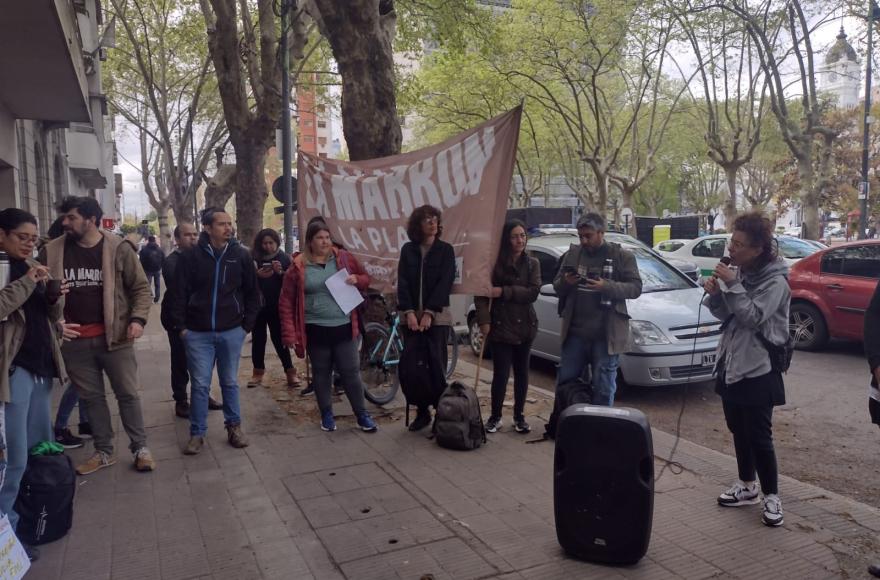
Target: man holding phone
{"x": 595, "y": 322}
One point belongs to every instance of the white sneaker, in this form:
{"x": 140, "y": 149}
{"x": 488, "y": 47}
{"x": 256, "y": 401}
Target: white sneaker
{"x": 739, "y": 494}
{"x": 772, "y": 515}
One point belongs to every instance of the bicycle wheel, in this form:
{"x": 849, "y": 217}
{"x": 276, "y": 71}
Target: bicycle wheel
{"x": 451, "y": 352}
{"x": 378, "y": 371}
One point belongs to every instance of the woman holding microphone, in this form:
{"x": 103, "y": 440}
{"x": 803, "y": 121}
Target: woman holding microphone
{"x": 751, "y": 296}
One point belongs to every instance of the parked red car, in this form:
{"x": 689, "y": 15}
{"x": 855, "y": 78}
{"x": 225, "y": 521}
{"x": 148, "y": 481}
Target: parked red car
{"x": 830, "y": 292}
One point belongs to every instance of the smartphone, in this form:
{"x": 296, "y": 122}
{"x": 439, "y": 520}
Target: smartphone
{"x": 266, "y": 265}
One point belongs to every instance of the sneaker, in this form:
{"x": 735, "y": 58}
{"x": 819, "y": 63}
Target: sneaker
{"x": 521, "y": 426}
{"x": 493, "y": 424}
{"x": 366, "y": 423}
{"x": 739, "y": 494}
{"x": 327, "y": 421}
{"x": 422, "y": 420}
{"x": 85, "y": 429}
{"x": 772, "y": 515}
{"x": 236, "y": 436}
{"x": 181, "y": 409}
{"x": 194, "y": 446}
{"x": 32, "y": 552}
{"x": 67, "y": 439}
{"x": 143, "y": 460}
{"x": 309, "y": 390}
{"x": 99, "y": 460}
{"x": 214, "y": 405}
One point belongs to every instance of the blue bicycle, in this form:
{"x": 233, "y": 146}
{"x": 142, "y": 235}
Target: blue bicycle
{"x": 380, "y": 350}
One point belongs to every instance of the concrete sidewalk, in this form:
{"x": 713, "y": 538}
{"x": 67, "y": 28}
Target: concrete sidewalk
{"x": 301, "y": 503}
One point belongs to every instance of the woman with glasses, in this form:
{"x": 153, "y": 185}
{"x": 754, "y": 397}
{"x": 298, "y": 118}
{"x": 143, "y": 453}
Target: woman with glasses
{"x": 511, "y": 322}
{"x": 30, "y": 357}
{"x": 425, "y": 275}
{"x": 752, "y": 297}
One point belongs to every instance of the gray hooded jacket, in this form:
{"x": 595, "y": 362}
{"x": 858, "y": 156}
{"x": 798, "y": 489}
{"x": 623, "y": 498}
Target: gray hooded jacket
{"x": 755, "y": 301}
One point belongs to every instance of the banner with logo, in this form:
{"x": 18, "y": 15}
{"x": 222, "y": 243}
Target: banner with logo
{"x": 366, "y": 203}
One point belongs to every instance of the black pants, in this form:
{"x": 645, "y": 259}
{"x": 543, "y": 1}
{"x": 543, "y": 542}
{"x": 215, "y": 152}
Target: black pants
{"x": 503, "y": 356}
{"x": 268, "y": 317}
{"x": 752, "y": 430}
{"x": 179, "y": 371}
{"x": 437, "y": 336}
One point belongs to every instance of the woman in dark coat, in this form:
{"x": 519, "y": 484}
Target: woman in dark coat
{"x": 271, "y": 264}
{"x": 425, "y": 275}
{"x": 511, "y": 324}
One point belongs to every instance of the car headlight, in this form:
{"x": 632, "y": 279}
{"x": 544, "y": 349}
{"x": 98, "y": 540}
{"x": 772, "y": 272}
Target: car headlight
{"x": 646, "y": 333}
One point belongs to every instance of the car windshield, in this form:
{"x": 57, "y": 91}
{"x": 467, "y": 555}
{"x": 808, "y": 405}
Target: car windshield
{"x": 795, "y": 249}
{"x": 656, "y": 275}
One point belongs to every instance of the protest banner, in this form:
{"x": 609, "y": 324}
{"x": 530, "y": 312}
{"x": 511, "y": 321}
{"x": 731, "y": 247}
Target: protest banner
{"x": 366, "y": 203}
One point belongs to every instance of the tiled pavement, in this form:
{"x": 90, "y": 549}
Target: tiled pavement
{"x": 300, "y": 503}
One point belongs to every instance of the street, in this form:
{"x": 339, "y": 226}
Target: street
{"x": 823, "y": 434}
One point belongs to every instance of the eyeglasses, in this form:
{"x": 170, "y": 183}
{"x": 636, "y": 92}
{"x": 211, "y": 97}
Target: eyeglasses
{"x": 24, "y": 238}
{"x": 431, "y": 220}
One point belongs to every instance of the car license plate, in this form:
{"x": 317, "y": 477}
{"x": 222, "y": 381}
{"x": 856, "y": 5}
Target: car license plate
{"x": 709, "y": 359}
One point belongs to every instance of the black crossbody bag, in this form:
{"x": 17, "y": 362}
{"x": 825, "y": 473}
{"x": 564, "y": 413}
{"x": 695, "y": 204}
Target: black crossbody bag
{"x": 780, "y": 355}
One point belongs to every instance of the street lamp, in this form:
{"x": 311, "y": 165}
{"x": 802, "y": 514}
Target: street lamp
{"x": 864, "y": 186}
{"x": 286, "y": 153}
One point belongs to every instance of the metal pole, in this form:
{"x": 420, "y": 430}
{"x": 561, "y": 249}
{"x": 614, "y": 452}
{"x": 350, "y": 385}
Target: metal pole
{"x": 287, "y": 153}
{"x": 192, "y": 157}
{"x": 864, "y": 189}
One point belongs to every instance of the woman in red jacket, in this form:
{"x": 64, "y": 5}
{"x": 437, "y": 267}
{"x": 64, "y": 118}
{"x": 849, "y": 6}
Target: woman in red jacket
{"x": 312, "y": 322}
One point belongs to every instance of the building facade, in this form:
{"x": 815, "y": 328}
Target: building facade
{"x": 313, "y": 131}
{"x": 56, "y": 137}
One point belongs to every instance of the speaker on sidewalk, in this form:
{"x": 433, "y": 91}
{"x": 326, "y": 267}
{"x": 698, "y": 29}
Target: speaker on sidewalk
{"x": 603, "y": 484}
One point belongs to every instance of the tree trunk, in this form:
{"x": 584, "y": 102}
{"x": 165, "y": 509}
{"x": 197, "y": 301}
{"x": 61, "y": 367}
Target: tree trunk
{"x": 809, "y": 197}
{"x": 358, "y": 32}
{"x": 250, "y": 191}
{"x": 220, "y": 187}
{"x": 164, "y": 227}
{"x": 730, "y": 209}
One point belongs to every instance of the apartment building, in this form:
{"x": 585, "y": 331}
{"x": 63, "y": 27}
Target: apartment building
{"x": 56, "y": 136}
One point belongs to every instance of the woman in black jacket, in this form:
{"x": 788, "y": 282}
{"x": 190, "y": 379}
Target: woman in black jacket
{"x": 425, "y": 275}
{"x": 271, "y": 264}
{"x": 511, "y": 324}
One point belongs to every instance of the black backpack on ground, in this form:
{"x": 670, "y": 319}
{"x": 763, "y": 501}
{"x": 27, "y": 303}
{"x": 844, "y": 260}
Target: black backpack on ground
{"x": 45, "y": 499}
{"x": 458, "y": 423}
{"x": 573, "y": 392}
{"x": 422, "y": 379}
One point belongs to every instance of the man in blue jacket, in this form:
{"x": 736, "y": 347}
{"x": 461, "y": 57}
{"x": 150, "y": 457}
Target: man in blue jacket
{"x": 214, "y": 305}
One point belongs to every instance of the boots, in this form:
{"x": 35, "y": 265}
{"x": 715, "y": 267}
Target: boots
{"x": 293, "y": 381}
{"x": 257, "y": 379}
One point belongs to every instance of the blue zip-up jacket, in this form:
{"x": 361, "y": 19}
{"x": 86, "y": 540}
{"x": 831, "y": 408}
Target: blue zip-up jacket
{"x": 215, "y": 290}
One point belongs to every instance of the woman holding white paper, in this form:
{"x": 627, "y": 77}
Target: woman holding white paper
{"x": 313, "y": 322}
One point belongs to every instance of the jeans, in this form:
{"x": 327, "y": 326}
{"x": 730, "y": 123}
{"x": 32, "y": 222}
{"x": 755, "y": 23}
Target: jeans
{"x": 68, "y": 401}
{"x": 752, "y": 430}
{"x": 503, "y": 356}
{"x": 28, "y": 422}
{"x": 154, "y": 279}
{"x": 268, "y": 317}
{"x": 87, "y": 360}
{"x": 577, "y": 352}
{"x": 179, "y": 368}
{"x": 342, "y": 356}
{"x": 203, "y": 349}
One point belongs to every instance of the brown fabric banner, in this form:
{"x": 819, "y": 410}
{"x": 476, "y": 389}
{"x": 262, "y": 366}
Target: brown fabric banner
{"x": 366, "y": 203}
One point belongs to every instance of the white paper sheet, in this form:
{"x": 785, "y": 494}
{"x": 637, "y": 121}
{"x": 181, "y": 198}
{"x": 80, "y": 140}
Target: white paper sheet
{"x": 14, "y": 562}
{"x": 346, "y": 295}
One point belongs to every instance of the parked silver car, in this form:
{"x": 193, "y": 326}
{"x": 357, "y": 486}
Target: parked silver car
{"x": 674, "y": 336}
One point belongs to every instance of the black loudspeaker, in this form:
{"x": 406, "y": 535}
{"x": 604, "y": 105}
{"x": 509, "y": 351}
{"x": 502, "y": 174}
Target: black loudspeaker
{"x": 603, "y": 484}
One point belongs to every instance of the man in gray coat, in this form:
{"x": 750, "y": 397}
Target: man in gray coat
{"x": 595, "y": 322}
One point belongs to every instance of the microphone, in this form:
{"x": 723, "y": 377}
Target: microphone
{"x": 725, "y": 260}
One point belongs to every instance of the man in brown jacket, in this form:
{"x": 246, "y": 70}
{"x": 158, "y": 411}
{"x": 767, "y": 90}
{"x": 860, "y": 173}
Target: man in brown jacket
{"x": 109, "y": 301}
